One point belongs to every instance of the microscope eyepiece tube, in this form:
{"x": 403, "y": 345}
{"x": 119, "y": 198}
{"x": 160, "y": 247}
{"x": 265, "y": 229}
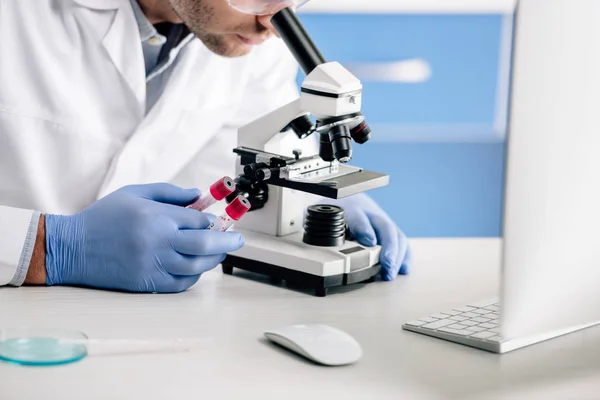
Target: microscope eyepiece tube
{"x": 296, "y": 38}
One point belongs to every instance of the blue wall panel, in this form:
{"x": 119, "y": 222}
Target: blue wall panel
{"x": 463, "y": 52}
{"x": 440, "y": 189}
{"x": 439, "y": 139}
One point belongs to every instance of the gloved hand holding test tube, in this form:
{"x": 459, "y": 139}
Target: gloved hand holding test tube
{"x": 217, "y": 192}
{"x": 233, "y": 212}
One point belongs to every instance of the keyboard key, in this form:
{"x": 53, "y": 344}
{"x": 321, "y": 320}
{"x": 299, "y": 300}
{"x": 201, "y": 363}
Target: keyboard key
{"x": 495, "y": 338}
{"x": 481, "y": 311}
{"x": 455, "y": 331}
{"x": 451, "y": 312}
{"x": 415, "y": 323}
{"x": 469, "y": 323}
{"x": 475, "y": 329}
{"x": 439, "y": 324}
{"x": 484, "y": 303}
{"x": 427, "y": 319}
{"x": 458, "y": 318}
{"x": 480, "y": 319}
{"x": 487, "y": 325}
{"x": 469, "y": 315}
{"x": 497, "y": 330}
{"x": 440, "y": 316}
{"x": 492, "y": 308}
{"x": 483, "y": 335}
{"x": 465, "y": 309}
{"x": 456, "y": 326}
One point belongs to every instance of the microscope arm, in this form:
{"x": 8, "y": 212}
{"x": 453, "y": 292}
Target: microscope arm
{"x": 259, "y": 132}
{"x": 329, "y": 93}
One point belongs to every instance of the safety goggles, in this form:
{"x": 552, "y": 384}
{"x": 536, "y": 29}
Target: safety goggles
{"x": 264, "y": 7}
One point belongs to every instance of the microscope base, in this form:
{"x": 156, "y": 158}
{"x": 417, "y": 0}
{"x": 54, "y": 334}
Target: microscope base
{"x": 291, "y": 260}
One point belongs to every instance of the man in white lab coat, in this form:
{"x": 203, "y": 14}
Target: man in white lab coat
{"x": 100, "y": 100}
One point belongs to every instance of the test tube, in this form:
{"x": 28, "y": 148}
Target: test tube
{"x": 217, "y": 192}
{"x": 233, "y": 212}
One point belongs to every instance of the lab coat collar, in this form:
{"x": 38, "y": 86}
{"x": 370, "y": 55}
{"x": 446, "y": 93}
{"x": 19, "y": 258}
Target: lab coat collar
{"x": 171, "y": 134}
{"x": 146, "y": 28}
{"x": 121, "y": 39}
{"x": 100, "y": 4}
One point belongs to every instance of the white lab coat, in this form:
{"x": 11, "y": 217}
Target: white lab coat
{"x": 73, "y": 126}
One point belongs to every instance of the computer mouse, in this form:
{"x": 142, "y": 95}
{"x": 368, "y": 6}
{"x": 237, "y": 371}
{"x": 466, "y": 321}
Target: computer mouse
{"x": 321, "y": 344}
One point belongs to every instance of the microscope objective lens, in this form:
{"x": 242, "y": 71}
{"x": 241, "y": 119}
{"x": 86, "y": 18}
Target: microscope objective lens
{"x": 341, "y": 141}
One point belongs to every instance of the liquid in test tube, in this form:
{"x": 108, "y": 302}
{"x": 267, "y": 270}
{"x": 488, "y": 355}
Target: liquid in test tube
{"x": 233, "y": 212}
{"x": 217, "y": 192}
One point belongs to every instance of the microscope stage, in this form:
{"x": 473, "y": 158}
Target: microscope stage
{"x": 289, "y": 258}
{"x": 349, "y": 181}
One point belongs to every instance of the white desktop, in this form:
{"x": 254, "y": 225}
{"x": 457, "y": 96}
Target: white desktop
{"x": 550, "y": 283}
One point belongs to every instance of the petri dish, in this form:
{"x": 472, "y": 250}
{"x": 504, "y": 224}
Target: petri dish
{"x": 41, "y": 347}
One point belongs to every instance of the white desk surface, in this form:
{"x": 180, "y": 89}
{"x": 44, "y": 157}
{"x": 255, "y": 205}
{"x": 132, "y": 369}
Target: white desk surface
{"x": 232, "y": 312}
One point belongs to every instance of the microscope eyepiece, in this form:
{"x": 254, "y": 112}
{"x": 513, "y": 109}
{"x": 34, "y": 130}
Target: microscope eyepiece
{"x": 294, "y": 35}
{"x": 341, "y": 142}
{"x": 361, "y": 133}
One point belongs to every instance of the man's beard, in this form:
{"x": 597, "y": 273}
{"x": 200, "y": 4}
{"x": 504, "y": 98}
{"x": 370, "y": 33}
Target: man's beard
{"x": 217, "y": 43}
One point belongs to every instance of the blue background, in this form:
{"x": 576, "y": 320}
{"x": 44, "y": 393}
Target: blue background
{"x": 441, "y": 141}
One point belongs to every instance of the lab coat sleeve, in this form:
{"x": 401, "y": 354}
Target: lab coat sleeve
{"x": 18, "y": 231}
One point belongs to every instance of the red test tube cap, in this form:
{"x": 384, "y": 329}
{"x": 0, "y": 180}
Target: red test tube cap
{"x": 222, "y": 188}
{"x": 238, "y": 207}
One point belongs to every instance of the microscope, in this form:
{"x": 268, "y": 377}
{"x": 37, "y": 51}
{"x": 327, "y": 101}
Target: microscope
{"x": 288, "y": 237}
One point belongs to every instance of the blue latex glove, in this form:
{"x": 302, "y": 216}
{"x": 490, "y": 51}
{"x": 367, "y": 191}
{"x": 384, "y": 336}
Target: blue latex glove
{"x": 138, "y": 239}
{"x": 369, "y": 225}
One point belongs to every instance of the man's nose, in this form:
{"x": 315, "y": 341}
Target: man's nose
{"x": 265, "y": 20}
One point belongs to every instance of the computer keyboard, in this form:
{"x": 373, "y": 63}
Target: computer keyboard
{"x": 476, "y": 324}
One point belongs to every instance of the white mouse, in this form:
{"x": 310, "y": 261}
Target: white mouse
{"x": 320, "y": 343}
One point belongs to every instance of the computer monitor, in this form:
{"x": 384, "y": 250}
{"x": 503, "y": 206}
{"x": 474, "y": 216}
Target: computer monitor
{"x": 551, "y": 224}
{"x": 551, "y": 220}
